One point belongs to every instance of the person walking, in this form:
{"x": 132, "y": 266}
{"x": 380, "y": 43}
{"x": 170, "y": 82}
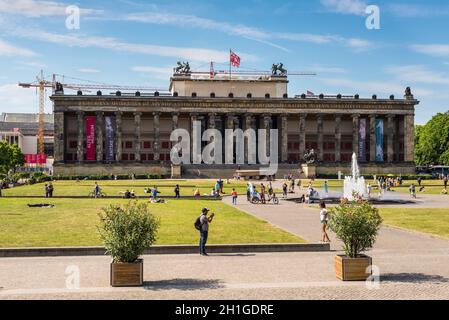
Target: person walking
{"x": 204, "y": 221}
{"x": 284, "y": 190}
{"x": 50, "y": 190}
{"x": 234, "y": 197}
{"x": 324, "y": 217}
{"x": 419, "y": 181}
{"x": 46, "y": 190}
{"x": 177, "y": 193}
{"x": 445, "y": 182}
{"x": 413, "y": 190}
{"x": 326, "y": 188}
{"x": 262, "y": 193}
{"x": 154, "y": 193}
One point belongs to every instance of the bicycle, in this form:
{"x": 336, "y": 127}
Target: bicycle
{"x": 100, "y": 194}
{"x": 273, "y": 198}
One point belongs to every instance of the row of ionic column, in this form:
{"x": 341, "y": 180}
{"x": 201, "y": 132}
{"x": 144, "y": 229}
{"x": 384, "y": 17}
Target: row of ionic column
{"x": 232, "y": 121}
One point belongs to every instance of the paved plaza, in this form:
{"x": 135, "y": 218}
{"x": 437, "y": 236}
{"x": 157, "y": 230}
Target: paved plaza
{"x": 411, "y": 265}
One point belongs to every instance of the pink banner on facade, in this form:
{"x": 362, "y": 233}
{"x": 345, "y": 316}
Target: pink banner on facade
{"x": 90, "y": 138}
{"x": 35, "y": 158}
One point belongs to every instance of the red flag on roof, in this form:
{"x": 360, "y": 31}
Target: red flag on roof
{"x": 235, "y": 60}
{"x": 310, "y": 93}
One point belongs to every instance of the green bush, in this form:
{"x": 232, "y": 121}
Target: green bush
{"x": 127, "y": 231}
{"x": 356, "y": 224}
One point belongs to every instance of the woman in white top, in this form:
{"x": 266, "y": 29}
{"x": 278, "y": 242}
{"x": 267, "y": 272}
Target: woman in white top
{"x": 324, "y": 217}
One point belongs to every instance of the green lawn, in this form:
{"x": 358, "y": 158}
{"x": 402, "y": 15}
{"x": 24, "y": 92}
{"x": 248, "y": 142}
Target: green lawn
{"x": 73, "y": 222}
{"x": 432, "y": 221}
{"x": 113, "y": 188}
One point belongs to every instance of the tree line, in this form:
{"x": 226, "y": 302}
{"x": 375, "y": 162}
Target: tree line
{"x": 432, "y": 141}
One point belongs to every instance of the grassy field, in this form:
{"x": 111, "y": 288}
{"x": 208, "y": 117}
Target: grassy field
{"x": 432, "y": 221}
{"x": 73, "y": 222}
{"x": 113, "y": 188}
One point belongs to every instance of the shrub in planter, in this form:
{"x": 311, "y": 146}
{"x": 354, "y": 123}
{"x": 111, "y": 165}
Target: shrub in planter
{"x": 126, "y": 232}
{"x": 356, "y": 224}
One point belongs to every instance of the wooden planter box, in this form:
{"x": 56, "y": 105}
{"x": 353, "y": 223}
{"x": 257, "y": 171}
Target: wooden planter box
{"x": 127, "y": 274}
{"x": 352, "y": 269}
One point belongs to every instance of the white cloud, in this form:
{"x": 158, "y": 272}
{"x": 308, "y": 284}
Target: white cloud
{"x": 16, "y": 99}
{"x": 76, "y": 40}
{"x": 418, "y": 74}
{"x": 355, "y": 7}
{"x": 438, "y": 50}
{"x": 88, "y": 70}
{"x": 38, "y": 8}
{"x": 247, "y": 32}
{"x": 7, "y": 49}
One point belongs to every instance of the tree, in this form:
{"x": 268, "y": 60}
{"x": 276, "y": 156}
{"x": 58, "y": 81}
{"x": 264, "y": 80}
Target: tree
{"x": 432, "y": 141}
{"x": 11, "y": 157}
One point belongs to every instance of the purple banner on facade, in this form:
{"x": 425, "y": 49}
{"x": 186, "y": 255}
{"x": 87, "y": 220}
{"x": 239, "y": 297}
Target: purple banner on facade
{"x": 362, "y": 140}
{"x": 109, "y": 138}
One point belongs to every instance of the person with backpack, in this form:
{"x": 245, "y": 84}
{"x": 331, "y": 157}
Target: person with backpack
{"x": 202, "y": 225}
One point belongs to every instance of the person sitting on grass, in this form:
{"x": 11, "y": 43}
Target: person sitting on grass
{"x": 126, "y": 194}
{"x": 444, "y": 191}
{"x": 197, "y": 193}
{"x": 421, "y": 189}
{"x": 213, "y": 193}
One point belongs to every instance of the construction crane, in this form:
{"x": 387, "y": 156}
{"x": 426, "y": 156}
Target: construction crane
{"x": 229, "y": 72}
{"x": 42, "y": 85}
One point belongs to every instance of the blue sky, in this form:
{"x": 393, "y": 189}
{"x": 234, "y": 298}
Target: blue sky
{"x": 136, "y": 42}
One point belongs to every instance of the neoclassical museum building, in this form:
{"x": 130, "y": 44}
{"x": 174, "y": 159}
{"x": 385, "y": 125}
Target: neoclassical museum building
{"x": 130, "y": 133}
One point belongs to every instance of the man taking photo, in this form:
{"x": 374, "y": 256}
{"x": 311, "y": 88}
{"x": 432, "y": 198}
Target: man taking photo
{"x": 202, "y": 224}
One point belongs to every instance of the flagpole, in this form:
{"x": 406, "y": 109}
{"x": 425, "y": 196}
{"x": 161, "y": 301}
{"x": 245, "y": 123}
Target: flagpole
{"x": 230, "y": 64}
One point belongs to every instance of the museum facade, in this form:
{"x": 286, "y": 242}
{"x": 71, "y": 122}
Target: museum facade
{"x": 130, "y": 133}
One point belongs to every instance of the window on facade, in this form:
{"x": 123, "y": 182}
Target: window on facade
{"x": 165, "y": 145}
{"x": 73, "y": 144}
{"x": 132, "y": 157}
{"x": 128, "y": 144}
{"x": 150, "y": 157}
{"x": 162, "y": 157}
{"x": 143, "y": 157}
{"x": 125, "y": 157}
{"x": 147, "y": 144}
{"x": 69, "y": 156}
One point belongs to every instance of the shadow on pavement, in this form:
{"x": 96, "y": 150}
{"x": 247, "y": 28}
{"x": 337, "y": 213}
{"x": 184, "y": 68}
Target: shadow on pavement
{"x": 183, "y": 284}
{"x": 232, "y": 255}
{"x": 413, "y": 278}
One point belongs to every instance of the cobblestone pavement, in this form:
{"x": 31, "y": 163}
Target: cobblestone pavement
{"x": 411, "y": 266}
{"x": 282, "y": 276}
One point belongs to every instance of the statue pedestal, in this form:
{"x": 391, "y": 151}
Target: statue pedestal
{"x": 308, "y": 170}
{"x": 176, "y": 171}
